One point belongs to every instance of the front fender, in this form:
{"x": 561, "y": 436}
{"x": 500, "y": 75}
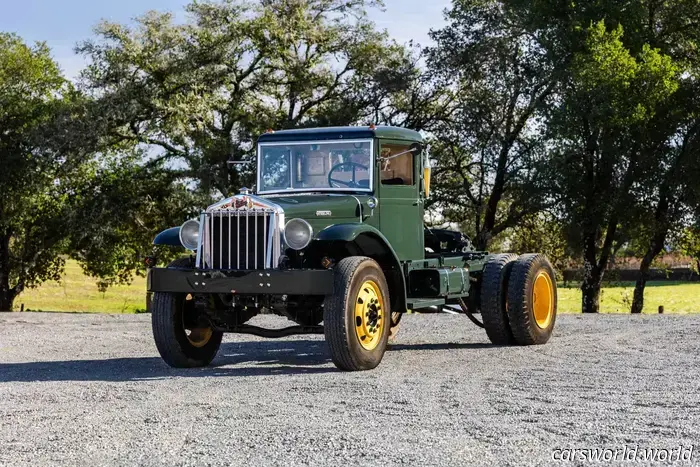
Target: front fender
{"x": 170, "y": 237}
{"x": 350, "y": 232}
{"x": 375, "y": 245}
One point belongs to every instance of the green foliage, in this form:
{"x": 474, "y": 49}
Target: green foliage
{"x": 199, "y": 93}
{"x": 626, "y": 90}
{"x": 122, "y": 207}
{"x": 490, "y": 147}
{"x": 41, "y": 170}
{"x": 541, "y": 233}
{"x": 689, "y": 244}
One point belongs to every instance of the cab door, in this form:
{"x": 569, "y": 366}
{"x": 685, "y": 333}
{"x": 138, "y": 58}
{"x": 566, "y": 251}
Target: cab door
{"x": 401, "y": 213}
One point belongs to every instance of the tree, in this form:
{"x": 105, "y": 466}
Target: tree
{"x": 118, "y": 211}
{"x": 490, "y": 149}
{"x": 199, "y": 93}
{"x": 42, "y": 165}
{"x": 671, "y": 197}
{"x": 544, "y": 233}
{"x": 643, "y": 68}
{"x": 606, "y": 107}
{"x": 689, "y": 244}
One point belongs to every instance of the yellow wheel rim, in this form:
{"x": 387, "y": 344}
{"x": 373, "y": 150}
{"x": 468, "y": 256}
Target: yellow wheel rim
{"x": 199, "y": 337}
{"x": 543, "y": 300}
{"x": 369, "y": 315}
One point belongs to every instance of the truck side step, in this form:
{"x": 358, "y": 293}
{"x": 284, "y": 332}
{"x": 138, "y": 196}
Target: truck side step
{"x": 420, "y": 303}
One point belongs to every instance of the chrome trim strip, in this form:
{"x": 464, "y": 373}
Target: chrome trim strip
{"x": 359, "y": 203}
{"x": 270, "y": 237}
{"x": 211, "y": 242}
{"x": 247, "y": 228}
{"x": 198, "y": 261}
{"x": 238, "y": 240}
{"x": 265, "y": 243}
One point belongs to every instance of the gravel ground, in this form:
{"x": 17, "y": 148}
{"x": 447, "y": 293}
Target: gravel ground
{"x": 91, "y": 390}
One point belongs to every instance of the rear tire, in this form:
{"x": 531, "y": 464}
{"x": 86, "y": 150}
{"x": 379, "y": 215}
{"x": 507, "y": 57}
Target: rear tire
{"x": 532, "y": 300}
{"x": 494, "y": 289}
{"x": 357, "y": 317}
{"x": 169, "y": 313}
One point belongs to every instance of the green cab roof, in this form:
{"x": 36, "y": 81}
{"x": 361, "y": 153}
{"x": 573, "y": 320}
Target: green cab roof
{"x": 342, "y": 132}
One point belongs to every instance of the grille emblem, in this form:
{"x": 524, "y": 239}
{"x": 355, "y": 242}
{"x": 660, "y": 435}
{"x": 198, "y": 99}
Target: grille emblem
{"x": 244, "y": 202}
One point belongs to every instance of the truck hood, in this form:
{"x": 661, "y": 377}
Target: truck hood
{"x": 322, "y": 210}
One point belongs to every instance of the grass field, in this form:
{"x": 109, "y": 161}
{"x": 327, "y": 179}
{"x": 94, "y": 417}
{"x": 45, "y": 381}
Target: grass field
{"x": 78, "y": 293}
{"x": 675, "y": 297}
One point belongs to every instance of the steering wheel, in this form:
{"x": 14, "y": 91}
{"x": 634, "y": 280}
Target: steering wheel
{"x": 349, "y": 184}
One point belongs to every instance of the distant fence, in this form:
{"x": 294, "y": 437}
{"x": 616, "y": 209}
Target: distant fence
{"x": 631, "y": 275}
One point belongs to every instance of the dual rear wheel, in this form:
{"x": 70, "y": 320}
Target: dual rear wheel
{"x": 519, "y": 299}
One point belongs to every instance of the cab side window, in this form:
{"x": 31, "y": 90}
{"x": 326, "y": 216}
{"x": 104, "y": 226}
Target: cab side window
{"x": 397, "y": 170}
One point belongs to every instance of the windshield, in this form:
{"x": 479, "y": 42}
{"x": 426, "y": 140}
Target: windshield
{"x": 315, "y": 166}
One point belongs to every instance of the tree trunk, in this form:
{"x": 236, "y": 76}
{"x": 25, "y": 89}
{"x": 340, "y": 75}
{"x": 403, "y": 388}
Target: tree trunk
{"x": 592, "y": 276}
{"x": 590, "y": 289}
{"x": 638, "y": 300}
{"x": 7, "y": 294}
{"x": 654, "y": 249}
{"x": 662, "y": 227}
{"x": 7, "y": 299}
{"x": 483, "y": 240}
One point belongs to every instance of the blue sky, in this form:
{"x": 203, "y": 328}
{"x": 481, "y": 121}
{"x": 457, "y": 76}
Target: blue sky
{"x": 63, "y": 23}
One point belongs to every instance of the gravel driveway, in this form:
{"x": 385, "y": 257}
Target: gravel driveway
{"x": 91, "y": 390}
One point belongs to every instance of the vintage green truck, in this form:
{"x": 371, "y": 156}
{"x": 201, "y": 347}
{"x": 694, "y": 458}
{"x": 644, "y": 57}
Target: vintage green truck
{"x": 334, "y": 234}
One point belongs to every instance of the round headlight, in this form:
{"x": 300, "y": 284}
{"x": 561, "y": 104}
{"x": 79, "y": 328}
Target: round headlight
{"x": 298, "y": 234}
{"x": 189, "y": 234}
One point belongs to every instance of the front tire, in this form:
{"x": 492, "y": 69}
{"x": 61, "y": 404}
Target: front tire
{"x": 532, "y": 300}
{"x": 357, "y": 317}
{"x": 181, "y": 342}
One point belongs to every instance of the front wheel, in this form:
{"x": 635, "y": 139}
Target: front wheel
{"x": 182, "y": 340}
{"x": 357, "y": 317}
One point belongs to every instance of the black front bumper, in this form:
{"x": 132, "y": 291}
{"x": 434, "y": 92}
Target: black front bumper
{"x": 267, "y": 282}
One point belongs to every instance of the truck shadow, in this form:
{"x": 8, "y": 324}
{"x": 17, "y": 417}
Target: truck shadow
{"x": 235, "y": 359}
{"x": 252, "y": 358}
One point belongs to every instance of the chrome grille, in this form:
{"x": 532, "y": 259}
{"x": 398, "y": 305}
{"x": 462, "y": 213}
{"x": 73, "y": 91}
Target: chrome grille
{"x": 239, "y": 239}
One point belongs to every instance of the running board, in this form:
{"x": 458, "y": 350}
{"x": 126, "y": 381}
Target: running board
{"x": 417, "y": 304}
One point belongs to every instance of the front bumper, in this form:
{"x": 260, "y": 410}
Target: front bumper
{"x": 265, "y": 282}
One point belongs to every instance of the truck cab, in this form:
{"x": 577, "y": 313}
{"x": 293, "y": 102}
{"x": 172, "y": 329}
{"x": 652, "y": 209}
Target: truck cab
{"x": 371, "y": 175}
